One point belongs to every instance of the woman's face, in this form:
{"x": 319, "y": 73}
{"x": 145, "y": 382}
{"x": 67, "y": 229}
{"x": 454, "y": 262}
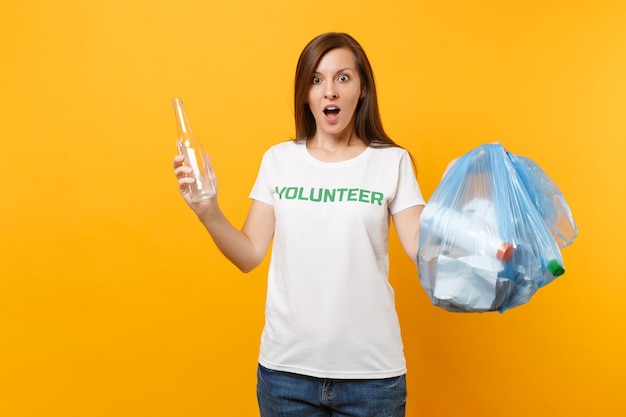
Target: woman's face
{"x": 334, "y": 93}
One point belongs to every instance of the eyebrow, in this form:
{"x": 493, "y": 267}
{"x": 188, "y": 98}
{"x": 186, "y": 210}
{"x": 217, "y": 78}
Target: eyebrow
{"x": 338, "y": 71}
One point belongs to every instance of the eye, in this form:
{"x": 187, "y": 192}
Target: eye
{"x": 316, "y": 80}
{"x": 343, "y": 78}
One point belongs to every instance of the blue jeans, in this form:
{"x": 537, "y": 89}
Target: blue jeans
{"x": 284, "y": 394}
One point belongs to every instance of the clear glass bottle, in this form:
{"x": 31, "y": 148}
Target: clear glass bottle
{"x": 190, "y": 147}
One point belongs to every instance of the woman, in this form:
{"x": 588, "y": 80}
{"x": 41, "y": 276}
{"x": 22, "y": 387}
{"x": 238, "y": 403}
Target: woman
{"x": 331, "y": 343}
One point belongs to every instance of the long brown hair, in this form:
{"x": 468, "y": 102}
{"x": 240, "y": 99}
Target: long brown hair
{"x": 368, "y": 124}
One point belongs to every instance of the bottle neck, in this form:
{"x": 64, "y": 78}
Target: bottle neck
{"x": 182, "y": 122}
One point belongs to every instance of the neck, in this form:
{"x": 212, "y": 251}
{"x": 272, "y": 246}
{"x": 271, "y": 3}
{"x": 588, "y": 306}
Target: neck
{"x": 335, "y": 148}
{"x": 334, "y": 143}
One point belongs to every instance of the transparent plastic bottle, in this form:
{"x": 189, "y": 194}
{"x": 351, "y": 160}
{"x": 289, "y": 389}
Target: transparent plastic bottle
{"x": 190, "y": 147}
{"x": 468, "y": 232}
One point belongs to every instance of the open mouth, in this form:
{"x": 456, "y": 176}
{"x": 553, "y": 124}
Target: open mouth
{"x": 331, "y": 112}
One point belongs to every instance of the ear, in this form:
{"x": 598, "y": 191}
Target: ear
{"x": 362, "y": 94}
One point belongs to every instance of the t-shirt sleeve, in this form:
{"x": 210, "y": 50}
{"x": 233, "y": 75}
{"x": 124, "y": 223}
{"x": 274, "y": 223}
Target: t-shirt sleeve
{"x": 261, "y": 190}
{"x": 408, "y": 193}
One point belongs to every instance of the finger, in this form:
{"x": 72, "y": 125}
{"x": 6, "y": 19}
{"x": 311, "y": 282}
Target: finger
{"x": 184, "y": 181}
{"x": 178, "y": 160}
{"x": 182, "y": 171}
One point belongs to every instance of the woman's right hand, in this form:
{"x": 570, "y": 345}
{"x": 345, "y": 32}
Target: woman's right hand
{"x": 182, "y": 172}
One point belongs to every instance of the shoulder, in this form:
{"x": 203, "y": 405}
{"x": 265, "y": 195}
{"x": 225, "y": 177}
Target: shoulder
{"x": 283, "y": 148}
{"x": 390, "y": 152}
{"x": 283, "y": 154}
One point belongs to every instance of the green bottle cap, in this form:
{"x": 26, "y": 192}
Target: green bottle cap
{"x": 555, "y": 268}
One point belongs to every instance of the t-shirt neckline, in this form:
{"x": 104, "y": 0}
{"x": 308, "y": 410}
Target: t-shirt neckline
{"x": 310, "y": 158}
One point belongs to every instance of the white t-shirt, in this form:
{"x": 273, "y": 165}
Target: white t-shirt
{"x": 330, "y": 309}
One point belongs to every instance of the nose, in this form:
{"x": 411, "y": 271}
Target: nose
{"x": 331, "y": 91}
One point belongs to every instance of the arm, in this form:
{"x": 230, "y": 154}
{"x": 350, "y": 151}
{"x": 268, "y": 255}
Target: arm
{"x": 245, "y": 248}
{"x": 407, "y": 225}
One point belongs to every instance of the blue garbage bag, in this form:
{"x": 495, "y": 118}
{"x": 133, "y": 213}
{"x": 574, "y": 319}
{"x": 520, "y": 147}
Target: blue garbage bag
{"x": 547, "y": 198}
{"x": 488, "y": 235}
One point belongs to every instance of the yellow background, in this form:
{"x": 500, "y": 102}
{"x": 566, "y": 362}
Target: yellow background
{"x": 114, "y": 301}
